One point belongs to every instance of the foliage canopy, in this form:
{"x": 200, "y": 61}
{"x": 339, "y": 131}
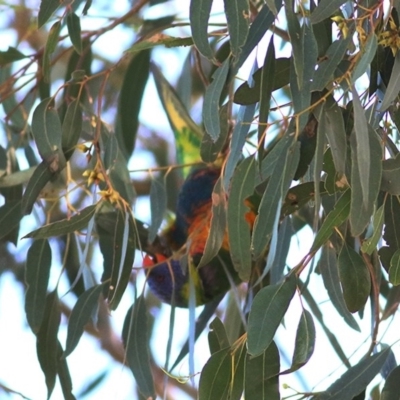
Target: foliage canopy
{"x": 312, "y": 134}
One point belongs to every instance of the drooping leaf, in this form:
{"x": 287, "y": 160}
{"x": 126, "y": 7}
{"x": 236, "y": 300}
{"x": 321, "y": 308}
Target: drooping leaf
{"x": 261, "y": 375}
{"x": 394, "y": 270}
{"x": 47, "y": 342}
{"x": 369, "y": 245}
{"x": 354, "y": 277}
{"x": 238, "y": 228}
{"x": 268, "y": 308}
{"x": 71, "y": 128}
{"x": 46, "y": 10}
{"x": 47, "y": 131}
{"x": 217, "y": 338}
{"x": 37, "y": 274}
{"x": 212, "y": 100}
{"x": 75, "y": 223}
{"x": 187, "y": 133}
{"x": 136, "y": 338}
{"x": 270, "y": 206}
{"x": 335, "y": 218}
{"x": 215, "y": 377}
{"x": 80, "y": 316}
{"x": 238, "y": 16}
{"x": 199, "y": 15}
{"x": 260, "y": 25}
{"x": 158, "y": 206}
{"x": 49, "y": 49}
{"x": 362, "y": 207}
{"x": 64, "y": 376}
{"x": 330, "y": 276}
{"x": 355, "y": 379}
{"x": 305, "y": 341}
{"x": 40, "y": 177}
{"x": 130, "y": 100}
{"x": 159, "y": 39}
{"x": 74, "y": 31}
{"x": 10, "y": 216}
{"x": 368, "y": 53}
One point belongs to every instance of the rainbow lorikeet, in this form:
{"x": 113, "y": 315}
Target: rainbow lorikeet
{"x": 167, "y": 277}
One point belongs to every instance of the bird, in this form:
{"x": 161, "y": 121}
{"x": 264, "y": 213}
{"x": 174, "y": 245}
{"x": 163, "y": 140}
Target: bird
{"x": 171, "y": 271}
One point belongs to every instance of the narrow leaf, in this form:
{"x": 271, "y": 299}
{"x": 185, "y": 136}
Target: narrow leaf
{"x": 46, "y": 10}
{"x": 391, "y": 175}
{"x": 75, "y": 223}
{"x": 10, "y": 216}
{"x": 238, "y": 18}
{"x": 74, "y": 31}
{"x": 80, "y": 316}
{"x": 369, "y": 245}
{"x": 330, "y": 276}
{"x": 212, "y": 100}
{"x": 136, "y": 338}
{"x": 354, "y": 277}
{"x": 217, "y": 338}
{"x": 37, "y": 272}
{"x": 364, "y": 62}
{"x": 49, "y": 49}
{"x": 199, "y": 15}
{"x": 238, "y": 227}
{"x": 355, "y": 379}
{"x": 71, "y": 128}
{"x": 394, "y": 270}
{"x": 10, "y": 55}
{"x": 130, "y": 101}
{"x": 268, "y": 308}
{"x": 390, "y": 390}
{"x": 158, "y": 206}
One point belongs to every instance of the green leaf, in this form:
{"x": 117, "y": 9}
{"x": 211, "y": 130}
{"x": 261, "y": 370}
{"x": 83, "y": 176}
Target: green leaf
{"x": 326, "y": 68}
{"x": 217, "y": 338}
{"x": 336, "y": 134}
{"x": 391, "y": 175}
{"x": 37, "y": 272}
{"x": 158, "y": 206}
{"x": 10, "y": 216}
{"x": 259, "y": 26}
{"x": 246, "y": 94}
{"x": 130, "y": 101}
{"x": 47, "y": 131}
{"x": 41, "y": 175}
{"x": 355, "y": 379}
{"x": 46, "y": 10}
{"x": 369, "y": 245}
{"x": 361, "y": 208}
{"x": 393, "y": 87}
{"x": 261, "y": 375}
{"x": 76, "y": 223}
{"x": 71, "y": 128}
{"x": 242, "y": 187}
{"x": 49, "y": 49}
{"x": 217, "y": 226}
{"x": 74, "y": 31}
{"x": 354, "y": 277}
{"x": 158, "y": 40}
{"x": 364, "y": 62}
{"x": 199, "y": 15}
{"x": 325, "y": 9}
{"x": 64, "y": 375}
{"x": 209, "y": 149}
{"x": 10, "y": 55}
{"x": 212, "y": 100}
{"x": 334, "y": 219}
{"x": 118, "y": 249}
{"x": 136, "y": 340}
{"x": 47, "y": 342}
{"x": 271, "y": 201}
{"x": 268, "y": 308}
{"x": 215, "y": 377}
{"x": 187, "y": 133}
{"x": 330, "y": 276}
{"x": 394, "y": 270}
{"x": 305, "y": 341}
{"x": 238, "y": 18}
{"x": 390, "y": 390}
{"x": 80, "y": 316}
